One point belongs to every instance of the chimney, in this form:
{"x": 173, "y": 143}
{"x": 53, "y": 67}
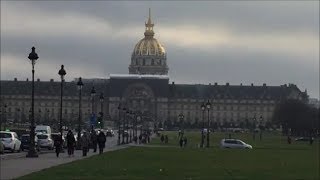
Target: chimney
{"x": 172, "y": 82}
{"x": 227, "y": 84}
{"x": 27, "y": 79}
{"x": 241, "y": 84}
{"x": 252, "y": 84}
{"x": 264, "y": 84}
{"x": 38, "y": 80}
{"x": 215, "y": 84}
{"x": 15, "y": 79}
{"x": 209, "y": 84}
{"x": 51, "y": 80}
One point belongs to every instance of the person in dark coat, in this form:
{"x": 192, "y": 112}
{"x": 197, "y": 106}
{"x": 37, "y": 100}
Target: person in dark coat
{"x": 181, "y": 142}
{"x": 101, "y": 141}
{"x": 140, "y": 139}
{"x": 162, "y": 138}
{"x": 185, "y": 141}
{"x": 94, "y": 140}
{"x": 85, "y": 143}
{"x": 58, "y": 145}
{"x": 70, "y": 142}
{"x": 166, "y": 139}
{"x": 289, "y": 140}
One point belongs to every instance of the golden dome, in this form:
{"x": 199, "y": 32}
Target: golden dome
{"x": 148, "y": 45}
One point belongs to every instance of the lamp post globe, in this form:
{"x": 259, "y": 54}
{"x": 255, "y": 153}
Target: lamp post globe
{"x": 33, "y": 56}
{"x": 79, "y": 85}
{"x": 208, "y": 106}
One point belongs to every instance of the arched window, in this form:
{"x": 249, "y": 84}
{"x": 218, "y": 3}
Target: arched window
{"x": 144, "y": 62}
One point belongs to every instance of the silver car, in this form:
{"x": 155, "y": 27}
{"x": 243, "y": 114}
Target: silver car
{"x": 234, "y": 143}
{"x": 10, "y": 141}
{"x": 45, "y": 141}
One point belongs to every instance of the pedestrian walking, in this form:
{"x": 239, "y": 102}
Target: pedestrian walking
{"x": 148, "y": 138}
{"x": 289, "y": 140}
{"x": 181, "y": 142}
{"x": 185, "y": 141}
{"x": 70, "y": 142}
{"x": 58, "y": 145}
{"x": 101, "y": 141}
{"x": 140, "y": 138}
{"x": 162, "y": 138}
{"x": 94, "y": 140}
{"x": 84, "y": 144}
{"x": 311, "y": 140}
{"x": 166, "y": 140}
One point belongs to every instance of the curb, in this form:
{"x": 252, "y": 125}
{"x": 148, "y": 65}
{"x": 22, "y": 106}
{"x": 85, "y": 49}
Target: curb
{"x": 16, "y": 156}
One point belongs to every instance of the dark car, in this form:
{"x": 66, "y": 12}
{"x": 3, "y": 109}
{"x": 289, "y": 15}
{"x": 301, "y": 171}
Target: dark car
{"x": 25, "y": 142}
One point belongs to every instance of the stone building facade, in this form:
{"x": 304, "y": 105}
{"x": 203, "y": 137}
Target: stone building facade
{"x": 147, "y": 91}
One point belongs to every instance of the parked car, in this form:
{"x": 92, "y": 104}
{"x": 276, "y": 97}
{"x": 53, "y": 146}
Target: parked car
{"x": 1, "y": 148}
{"x": 25, "y": 142}
{"x": 109, "y": 133}
{"x": 234, "y": 143}
{"x": 303, "y": 139}
{"x": 45, "y": 141}
{"x": 10, "y": 141}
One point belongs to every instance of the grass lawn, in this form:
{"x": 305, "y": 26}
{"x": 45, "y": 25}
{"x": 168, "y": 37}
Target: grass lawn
{"x": 271, "y": 158}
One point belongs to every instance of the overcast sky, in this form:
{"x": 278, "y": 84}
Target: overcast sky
{"x": 237, "y": 42}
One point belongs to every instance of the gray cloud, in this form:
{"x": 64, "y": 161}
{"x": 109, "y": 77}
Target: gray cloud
{"x": 103, "y": 43}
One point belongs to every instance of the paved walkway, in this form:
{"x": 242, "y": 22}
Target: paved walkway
{"x": 17, "y": 167}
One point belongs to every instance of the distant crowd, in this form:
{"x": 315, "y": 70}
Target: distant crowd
{"x": 87, "y": 141}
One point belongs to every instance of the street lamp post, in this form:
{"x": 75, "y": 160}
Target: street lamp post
{"x": 5, "y": 117}
{"x": 134, "y": 121}
{"x": 101, "y": 112}
{"x": 254, "y": 127}
{"x": 93, "y": 93}
{"x": 33, "y": 56}
{"x": 119, "y": 123}
{"x": 124, "y": 109}
{"x": 181, "y": 117}
{"x": 39, "y": 118}
{"x": 127, "y": 125}
{"x": 131, "y": 126}
{"x": 137, "y": 121}
{"x": 208, "y": 105}
{"x": 62, "y": 73}
{"x": 260, "y": 127}
{"x": 203, "y": 108}
{"x": 80, "y": 85}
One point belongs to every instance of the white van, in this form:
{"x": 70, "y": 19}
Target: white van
{"x": 43, "y": 129}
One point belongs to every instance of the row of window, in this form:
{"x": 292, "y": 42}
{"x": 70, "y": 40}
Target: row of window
{"x": 221, "y": 107}
{"x": 37, "y": 103}
{"x": 143, "y": 62}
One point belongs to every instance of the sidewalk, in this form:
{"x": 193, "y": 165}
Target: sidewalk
{"x": 14, "y": 168}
